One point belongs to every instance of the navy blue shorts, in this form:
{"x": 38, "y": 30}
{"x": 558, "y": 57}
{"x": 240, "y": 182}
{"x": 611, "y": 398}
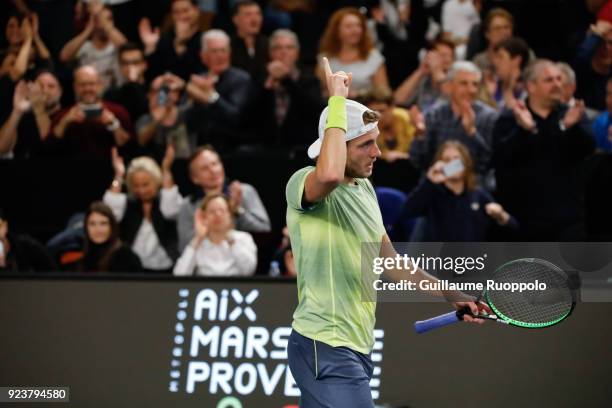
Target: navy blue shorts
{"x": 329, "y": 377}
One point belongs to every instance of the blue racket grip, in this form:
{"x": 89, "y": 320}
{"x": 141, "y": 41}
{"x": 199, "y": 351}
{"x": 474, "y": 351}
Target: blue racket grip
{"x": 446, "y": 319}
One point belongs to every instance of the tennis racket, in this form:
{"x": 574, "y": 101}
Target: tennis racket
{"x": 530, "y": 308}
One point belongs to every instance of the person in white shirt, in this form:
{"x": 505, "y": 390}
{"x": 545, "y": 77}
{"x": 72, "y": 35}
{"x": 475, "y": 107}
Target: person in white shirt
{"x": 97, "y": 45}
{"x": 148, "y": 216}
{"x": 217, "y": 249}
{"x": 458, "y": 17}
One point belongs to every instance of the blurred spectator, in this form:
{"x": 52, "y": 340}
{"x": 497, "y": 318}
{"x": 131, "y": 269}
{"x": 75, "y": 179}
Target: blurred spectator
{"x": 92, "y": 126}
{"x": 175, "y": 51}
{"x": 127, "y": 13}
{"x": 498, "y": 26}
{"x": 22, "y": 253}
{"x": 349, "y": 47}
{"x": 290, "y": 100}
{"x": 511, "y": 58}
{"x": 97, "y": 45}
{"x": 148, "y": 216}
{"x": 397, "y": 126}
{"x": 25, "y": 55}
{"x": 462, "y": 118}
{"x": 219, "y": 96}
{"x": 207, "y": 172}
{"x": 217, "y": 249}
{"x": 103, "y": 250}
{"x": 133, "y": 93}
{"x": 537, "y": 146}
{"x": 26, "y": 51}
{"x": 593, "y": 65}
{"x": 400, "y": 28}
{"x": 249, "y": 46}
{"x": 56, "y": 20}
{"x": 35, "y": 106}
{"x": 283, "y": 258}
{"x": 458, "y": 17}
{"x": 568, "y": 83}
{"x": 166, "y": 123}
{"x": 455, "y": 206}
{"x": 602, "y": 125}
{"x": 424, "y": 86}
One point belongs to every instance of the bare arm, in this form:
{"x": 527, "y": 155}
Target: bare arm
{"x": 8, "y": 132}
{"x": 380, "y": 79}
{"x": 73, "y": 46}
{"x": 21, "y": 63}
{"x": 407, "y": 89}
{"x": 329, "y": 171}
{"x": 416, "y": 275}
{"x": 41, "y": 48}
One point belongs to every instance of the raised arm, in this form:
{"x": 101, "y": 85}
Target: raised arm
{"x": 329, "y": 171}
{"x": 73, "y": 46}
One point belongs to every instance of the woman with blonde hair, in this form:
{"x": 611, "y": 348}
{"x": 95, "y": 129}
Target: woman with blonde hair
{"x": 148, "y": 215}
{"x": 217, "y": 249}
{"x": 456, "y": 208}
{"x": 348, "y": 46}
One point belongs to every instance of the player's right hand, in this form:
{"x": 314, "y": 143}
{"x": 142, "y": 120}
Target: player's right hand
{"x": 338, "y": 83}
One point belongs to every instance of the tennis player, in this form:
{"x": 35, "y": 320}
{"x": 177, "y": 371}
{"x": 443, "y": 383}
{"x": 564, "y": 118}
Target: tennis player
{"x": 331, "y": 210}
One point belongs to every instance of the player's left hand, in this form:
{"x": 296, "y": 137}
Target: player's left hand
{"x": 476, "y": 308}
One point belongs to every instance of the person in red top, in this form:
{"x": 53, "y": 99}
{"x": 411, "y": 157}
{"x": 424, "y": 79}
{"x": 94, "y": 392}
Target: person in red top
{"x": 91, "y": 127}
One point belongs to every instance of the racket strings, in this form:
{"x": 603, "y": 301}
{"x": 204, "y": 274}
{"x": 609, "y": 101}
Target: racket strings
{"x": 535, "y": 308}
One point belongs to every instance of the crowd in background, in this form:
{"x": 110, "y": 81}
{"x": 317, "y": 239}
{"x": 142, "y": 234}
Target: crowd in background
{"x": 497, "y": 115}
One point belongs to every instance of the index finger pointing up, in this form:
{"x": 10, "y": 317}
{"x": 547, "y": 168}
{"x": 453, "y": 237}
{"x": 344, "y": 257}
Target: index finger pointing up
{"x": 326, "y": 67}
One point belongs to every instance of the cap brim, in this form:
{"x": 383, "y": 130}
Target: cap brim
{"x": 315, "y": 149}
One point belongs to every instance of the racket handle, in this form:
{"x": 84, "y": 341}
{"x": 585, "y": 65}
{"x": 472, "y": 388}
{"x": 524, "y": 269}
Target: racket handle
{"x": 446, "y": 319}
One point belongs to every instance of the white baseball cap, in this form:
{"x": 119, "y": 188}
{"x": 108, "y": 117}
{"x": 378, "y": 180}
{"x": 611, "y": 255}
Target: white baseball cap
{"x": 355, "y": 125}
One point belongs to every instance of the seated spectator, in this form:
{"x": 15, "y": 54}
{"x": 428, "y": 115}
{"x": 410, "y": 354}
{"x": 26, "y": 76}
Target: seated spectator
{"x": 455, "y": 207}
{"x": 458, "y": 17}
{"x": 349, "y": 47}
{"x": 35, "y": 106}
{"x": 166, "y": 123}
{"x": 498, "y": 26}
{"x": 148, "y": 216}
{"x": 219, "y": 96}
{"x": 97, "y": 45}
{"x": 22, "y": 253}
{"x": 602, "y": 125}
{"x": 537, "y": 147}
{"x": 424, "y": 87}
{"x": 511, "y": 58}
{"x": 132, "y": 95}
{"x": 290, "y": 100}
{"x": 463, "y": 118}
{"x": 593, "y": 65}
{"x": 92, "y": 126}
{"x": 217, "y": 249}
{"x": 103, "y": 250}
{"x": 207, "y": 172}
{"x": 249, "y": 46}
{"x": 397, "y": 127}
{"x": 175, "y": 51}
